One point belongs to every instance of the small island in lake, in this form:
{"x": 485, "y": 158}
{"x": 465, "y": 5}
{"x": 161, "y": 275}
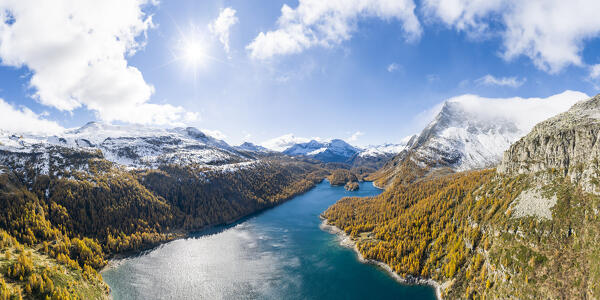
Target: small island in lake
{"x": 341, "y": 177}
{"x": 351, "y": 186}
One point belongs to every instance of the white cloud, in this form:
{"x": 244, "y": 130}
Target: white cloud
{"x": 594, "y": 76}
{"x": 328, "y": 23}
{"x": 501, "y": 81}
{"x": 285, "y": 141}
{"x": 215, "y": 134}
{"x": 393, "y": 67}
{"x": 148, "y": 113}
{"x": 77, "y": 52}
{"x": 355, "y": 136}
{"x": 24, "y": 120}
{"x": 525, "y": 112}
{"x": 465, "y": 15}
{"x": 220, "y": 27}
{"x": 595, "y": 71}
{"x": 551, "y": 33}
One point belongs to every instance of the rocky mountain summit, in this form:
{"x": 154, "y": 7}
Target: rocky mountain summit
{"x": 463, "y": 139}
{"x": 566, "y": 143}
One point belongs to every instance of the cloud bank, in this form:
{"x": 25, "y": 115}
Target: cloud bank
{"x": 76, "y": 51}
{"x": 24, "y": 120}
{"x": 525, "y": 112}
{"x": 551, "y": 32}
{"x": 327, "y": 23}
{"x": 355, "y": 136}
{"x": 217, "y": 134}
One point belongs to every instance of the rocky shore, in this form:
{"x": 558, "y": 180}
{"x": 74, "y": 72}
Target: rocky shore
{"x": 347, "y": 241}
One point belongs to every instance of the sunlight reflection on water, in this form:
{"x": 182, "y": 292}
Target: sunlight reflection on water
{"x": 278, "y": 254}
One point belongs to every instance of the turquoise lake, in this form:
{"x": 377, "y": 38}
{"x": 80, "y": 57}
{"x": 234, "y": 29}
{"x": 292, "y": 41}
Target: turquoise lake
{"x": 280, "y": 253}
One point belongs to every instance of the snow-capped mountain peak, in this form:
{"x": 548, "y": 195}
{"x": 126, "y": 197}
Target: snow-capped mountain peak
{"x": 247, "y": 146}
{"x": 134, "y": 145}
{"x": 471, "y": 132}
{"x": 335, "y": 150}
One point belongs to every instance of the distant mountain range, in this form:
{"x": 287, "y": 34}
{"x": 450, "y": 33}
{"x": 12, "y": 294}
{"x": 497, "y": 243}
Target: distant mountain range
{"x": 247, "y": 146}
{"x": 130, "y": 146}
{"x": 139, "y": 147}
{"x": 334, "y": 151}
{"x": 338, "y": 150}
{"x": 462, "y": 136}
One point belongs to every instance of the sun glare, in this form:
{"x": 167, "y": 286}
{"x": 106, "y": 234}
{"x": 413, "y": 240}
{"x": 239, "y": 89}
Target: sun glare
{"x": 194, "y": 54}
{"x": 192, "y": 49}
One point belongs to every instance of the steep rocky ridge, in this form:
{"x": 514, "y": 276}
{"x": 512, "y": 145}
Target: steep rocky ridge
{"x": 567, "y": 143}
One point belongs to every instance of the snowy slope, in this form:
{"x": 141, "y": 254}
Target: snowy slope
{"x": 339, "y": 151}
{"x": 247, "y": 146}
{"x": 387, "y": 149}
{"x": 131, "y": 146}
{"x": 309, "y": 148}
{"x": 472, "y": 133}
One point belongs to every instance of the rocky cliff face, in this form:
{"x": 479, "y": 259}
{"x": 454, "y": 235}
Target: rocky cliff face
{"x": 566, "y": 143}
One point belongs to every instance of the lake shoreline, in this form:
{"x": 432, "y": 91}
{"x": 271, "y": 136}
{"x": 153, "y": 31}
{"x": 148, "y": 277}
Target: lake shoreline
{"x": 244, "y": 256}
{"x": 347, "y": 241}
{"x": 179, "y": 234}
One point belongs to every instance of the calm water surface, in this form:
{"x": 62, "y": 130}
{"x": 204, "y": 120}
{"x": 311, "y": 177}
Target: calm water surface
{"x": 278, "y": 254}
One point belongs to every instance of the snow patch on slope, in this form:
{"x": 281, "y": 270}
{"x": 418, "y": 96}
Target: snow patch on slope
{"x": 387, "y": 149}
{"x": 132, "y": 146}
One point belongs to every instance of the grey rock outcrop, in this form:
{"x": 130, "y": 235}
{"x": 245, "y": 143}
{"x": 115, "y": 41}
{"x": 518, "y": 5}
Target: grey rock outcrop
{"x": 567, "y": 143}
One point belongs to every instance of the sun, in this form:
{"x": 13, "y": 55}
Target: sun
{"x": 194, "y": 53}
{"x": 192, "y": 50}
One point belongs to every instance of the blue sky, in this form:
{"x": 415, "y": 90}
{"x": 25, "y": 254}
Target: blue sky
{"x": 378, "y": 75}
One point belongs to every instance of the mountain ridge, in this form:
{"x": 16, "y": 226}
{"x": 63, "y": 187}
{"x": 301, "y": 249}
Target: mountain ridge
{"x": 466, "y": 135}
{"x": 335, "y": 150}
{"x": 133, "y": 146}
{"x": 567, "y": 142}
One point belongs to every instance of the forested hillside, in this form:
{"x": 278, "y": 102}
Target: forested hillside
{"x": 529, "y": 231}
{"x": 464, "y": 231}
{"x": 77, "y": 218}
{"x": 37, "y": 272}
